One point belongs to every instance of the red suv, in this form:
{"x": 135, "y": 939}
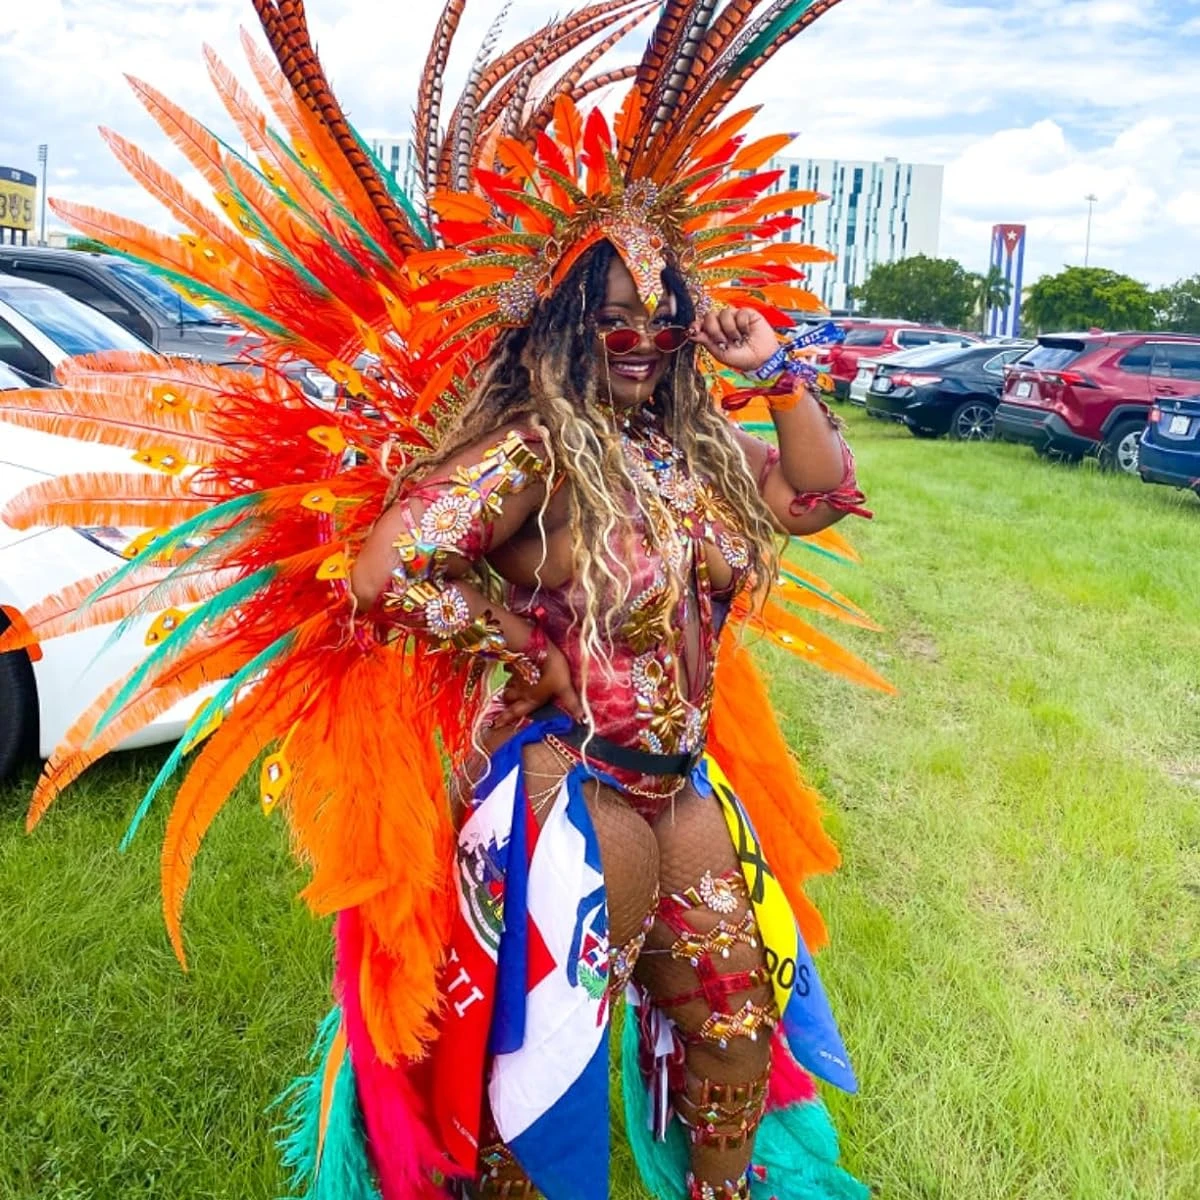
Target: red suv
{"x": 868, "y": 339}
{"x": 1090, "y": 393}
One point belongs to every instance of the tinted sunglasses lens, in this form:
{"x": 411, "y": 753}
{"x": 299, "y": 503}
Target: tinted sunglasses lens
{"x": 621, "y": 341}
{"x": 670, "y": 339}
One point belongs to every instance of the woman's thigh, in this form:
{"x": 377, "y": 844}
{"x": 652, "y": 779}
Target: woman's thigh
{"x": 699, "y": 867}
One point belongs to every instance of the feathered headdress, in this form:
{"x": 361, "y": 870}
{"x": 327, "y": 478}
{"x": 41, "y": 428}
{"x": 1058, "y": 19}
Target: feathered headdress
{"x": 256, "y": 499}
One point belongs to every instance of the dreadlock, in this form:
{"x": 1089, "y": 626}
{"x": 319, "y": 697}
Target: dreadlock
{"x": 548, "y": 373}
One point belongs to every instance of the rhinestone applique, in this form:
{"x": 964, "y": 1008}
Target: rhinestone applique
{"x": 719, "y": 894}
{"x": 447, "y": 613}
{"x": 447, "y": 520}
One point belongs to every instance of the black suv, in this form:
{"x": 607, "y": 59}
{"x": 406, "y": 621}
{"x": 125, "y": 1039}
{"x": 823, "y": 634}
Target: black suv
{"x": 133, "y": 297}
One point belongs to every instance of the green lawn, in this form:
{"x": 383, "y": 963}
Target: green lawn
{"x": 1016, "y": 930}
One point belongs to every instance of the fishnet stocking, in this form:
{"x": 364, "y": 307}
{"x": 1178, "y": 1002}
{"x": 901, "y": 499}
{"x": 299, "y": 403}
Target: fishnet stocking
{"x": 693, "y": 841}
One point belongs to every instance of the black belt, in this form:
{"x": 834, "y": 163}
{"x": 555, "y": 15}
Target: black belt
{"x": 640, "y": 762}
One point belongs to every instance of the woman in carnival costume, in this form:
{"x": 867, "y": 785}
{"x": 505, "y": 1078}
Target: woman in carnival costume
{"x": 526, "y": 471}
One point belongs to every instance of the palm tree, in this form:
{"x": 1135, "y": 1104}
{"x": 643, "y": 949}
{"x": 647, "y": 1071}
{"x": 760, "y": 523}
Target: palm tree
{"x": 992, "y": 291}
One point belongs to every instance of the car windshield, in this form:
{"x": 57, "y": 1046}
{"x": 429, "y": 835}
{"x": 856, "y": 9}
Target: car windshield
{"x": 9, "y": 379}
{"x": 71, "y": 325}
{"x": 865, "y": 335}
{"x": 168, "y": 304}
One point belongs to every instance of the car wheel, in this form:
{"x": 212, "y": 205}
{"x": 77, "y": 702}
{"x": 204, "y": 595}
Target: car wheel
{"x": 973, "y": 421}
{"x": 918, "y": 432}
{"x": 1119, "y": 451}
{"x": 18, "y": 708}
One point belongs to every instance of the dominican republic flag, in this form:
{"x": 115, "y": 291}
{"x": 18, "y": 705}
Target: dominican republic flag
{"x": 549, "y": 1080}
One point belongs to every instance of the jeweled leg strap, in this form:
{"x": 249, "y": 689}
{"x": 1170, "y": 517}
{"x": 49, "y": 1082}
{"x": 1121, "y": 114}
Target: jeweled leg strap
{"x": 501, "y": 1177}
{"x": 720, "y": 895}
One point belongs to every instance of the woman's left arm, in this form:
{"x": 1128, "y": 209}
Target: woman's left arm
{"x": 809, "y": 482}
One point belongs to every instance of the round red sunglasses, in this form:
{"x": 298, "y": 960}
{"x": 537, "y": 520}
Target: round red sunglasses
{"x": 625, "y": 340}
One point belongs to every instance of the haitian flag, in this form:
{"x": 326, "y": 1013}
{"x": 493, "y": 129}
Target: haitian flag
{"x": 468, "y": 980}
{"x": 549, "y": 1080}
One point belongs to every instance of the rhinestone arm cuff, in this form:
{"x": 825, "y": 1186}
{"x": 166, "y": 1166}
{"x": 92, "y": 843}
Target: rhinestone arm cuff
{"x": 447, "y": 526}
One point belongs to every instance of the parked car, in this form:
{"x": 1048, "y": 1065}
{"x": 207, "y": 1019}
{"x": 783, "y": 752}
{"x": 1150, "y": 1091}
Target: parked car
{"x": 874, "y": 339}
{"x": 861, "y": 385}
{"x": 40, "y": 326}
{"x": 1170, "y": 447}
{"x": 1076, "y": 394}
{"x": 942, "y": 389}
{"x": 43, "y": 691}
{"x": 157, "y": 316}
{"x": 134, "y": 298}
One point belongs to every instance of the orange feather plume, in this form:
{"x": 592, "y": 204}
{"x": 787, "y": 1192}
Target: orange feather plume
{"x": 785, "y": 811}
{"x": 105, "y": 498}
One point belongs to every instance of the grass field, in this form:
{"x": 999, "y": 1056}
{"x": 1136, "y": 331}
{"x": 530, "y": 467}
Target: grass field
{"x": 1016, "y": 929}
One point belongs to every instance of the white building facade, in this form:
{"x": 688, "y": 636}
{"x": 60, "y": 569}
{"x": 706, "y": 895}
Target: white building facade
{"x": 399, "y": 160}
{"x": 877, "y": 212}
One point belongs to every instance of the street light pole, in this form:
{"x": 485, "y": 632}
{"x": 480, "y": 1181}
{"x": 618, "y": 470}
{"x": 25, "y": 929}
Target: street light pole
{"x": 1087, "y": 244}
{"x": 43, "y": 155}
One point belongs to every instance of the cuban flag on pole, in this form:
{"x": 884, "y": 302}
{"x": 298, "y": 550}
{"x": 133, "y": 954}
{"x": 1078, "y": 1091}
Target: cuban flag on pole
{"x": 549, "y": 1079}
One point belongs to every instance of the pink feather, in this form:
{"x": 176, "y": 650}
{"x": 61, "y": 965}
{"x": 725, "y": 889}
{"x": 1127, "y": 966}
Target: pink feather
{"x": 790, "y": 1082}
{"x": 403, "y": 1148}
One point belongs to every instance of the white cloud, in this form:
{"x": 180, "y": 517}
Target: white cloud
{"x": 1029, "y": 108}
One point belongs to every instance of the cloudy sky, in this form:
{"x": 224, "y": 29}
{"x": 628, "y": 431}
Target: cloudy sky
{"x": 1029, "y": 107}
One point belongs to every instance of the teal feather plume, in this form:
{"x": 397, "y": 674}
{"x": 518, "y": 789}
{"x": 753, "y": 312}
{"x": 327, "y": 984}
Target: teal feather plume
{"x": 662, "y": 1165}
{"x": 263, "y": 233}
{"x": 826, "y": 594}
{"x": 217, "y": 547}
{"x": 215, "y": 704}
{"x": 797, "y": 1146}
{"x": 168, "y": 542}
{"x": 170, "y": 649}
{"x": 764, "y": 31}
{"x": 342, "y": 1171}
{"x": 397, "y": 193}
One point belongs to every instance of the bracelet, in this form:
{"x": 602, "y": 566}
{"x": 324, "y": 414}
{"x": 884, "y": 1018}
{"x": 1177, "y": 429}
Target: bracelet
{"x": 824, "y": 333}
{"x": 537, "y": 648}
{"x": 773, "y": 365}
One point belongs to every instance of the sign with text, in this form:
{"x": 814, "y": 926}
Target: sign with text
{"x": 18, "y": 198}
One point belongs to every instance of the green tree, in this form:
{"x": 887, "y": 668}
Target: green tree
{"x": 1177, "y": 307}
{"x": 992, "y": 291}
{"x": 934, "y": 290}
{"x": 1082, "y": 297}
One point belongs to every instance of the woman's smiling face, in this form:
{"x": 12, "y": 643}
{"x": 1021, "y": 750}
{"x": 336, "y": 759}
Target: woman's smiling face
{"x": 631, "y": 378}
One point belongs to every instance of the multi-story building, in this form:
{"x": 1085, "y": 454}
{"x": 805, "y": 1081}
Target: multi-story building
{"x": 399, "y": 160}
{"x": 877, "y": 212}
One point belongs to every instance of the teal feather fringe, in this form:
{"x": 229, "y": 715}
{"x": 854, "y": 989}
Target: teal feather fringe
{"x": 798, "y": 1148}
{"x": 662, "y": 1165}
{"x": 397, "y": 193}
{"x": 219, "y": 514}
{"x": 344, "y": 1170}
{"x": 797, "y": 1145}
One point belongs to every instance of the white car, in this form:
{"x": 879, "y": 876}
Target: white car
{"x": 860, "y": 385}
{"x": 43, "y": 692}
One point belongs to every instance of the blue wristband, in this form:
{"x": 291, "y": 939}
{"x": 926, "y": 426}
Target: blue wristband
{"x": 823, "y": 334}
